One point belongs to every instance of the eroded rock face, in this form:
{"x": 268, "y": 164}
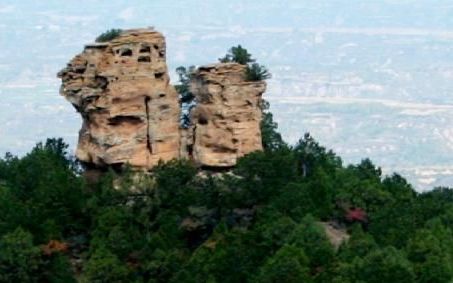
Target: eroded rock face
{"x": 130, "y": 111}
{"x": 226, "y": 120}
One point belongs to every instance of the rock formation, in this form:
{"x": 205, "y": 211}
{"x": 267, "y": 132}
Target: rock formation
{"x": 130, "y": 111}
{"x": 226, "y": 120}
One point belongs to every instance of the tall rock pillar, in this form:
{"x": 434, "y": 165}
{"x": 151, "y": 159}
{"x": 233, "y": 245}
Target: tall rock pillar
{"x": 130, "y": 112}
{"x": 226, "y": 119}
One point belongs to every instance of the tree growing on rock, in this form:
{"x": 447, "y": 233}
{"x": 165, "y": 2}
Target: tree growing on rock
{"x": 253, "y": 71}
{"x": 256, "y": 72}
{"x": 186, "y": 98}
{"x": 109, "y": 35}
{"x": 270, "y": 137}
{"x": 237, "y": 54}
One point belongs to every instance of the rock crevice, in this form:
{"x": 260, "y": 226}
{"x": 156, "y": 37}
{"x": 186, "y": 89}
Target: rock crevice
{"x": 148, "y": 135}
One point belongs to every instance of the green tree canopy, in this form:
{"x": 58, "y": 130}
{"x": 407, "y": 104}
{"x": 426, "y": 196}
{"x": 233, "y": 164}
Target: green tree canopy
{"x": 237, "y": 54}
{"x": 109, "y": 35}
{"x": 289, "y": 264}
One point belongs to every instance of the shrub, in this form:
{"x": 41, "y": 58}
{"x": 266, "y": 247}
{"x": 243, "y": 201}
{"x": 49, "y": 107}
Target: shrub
{"x": 186, "y": 98}
{"x": 271, "y": 138}
{"x": 311, "y": 237}
{"x": 289, "y": 264}
{"x": 19, "y": 258}
{"x": 237, "y": 54}
{"x": 384, "y": 265}
{"x": 109, "y": 35}
{"x": 103, "y": 267}
{"x": 253, "y": 71}
{"x": 256, "y": 72}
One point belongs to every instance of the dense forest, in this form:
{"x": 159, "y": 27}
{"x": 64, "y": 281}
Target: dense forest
{"x": 263, "y": 221}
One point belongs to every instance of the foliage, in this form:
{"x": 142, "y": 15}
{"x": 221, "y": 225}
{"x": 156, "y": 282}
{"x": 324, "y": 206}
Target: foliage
{"x": 359, "y": 245}
{"x": 289, "y": 264}
{"x": 186, "y": 98}
{"x": 253, "y": 71}
{"x": 184, "y": 75}
{"x": 256, "y": 72}
{"x": 384, "y": 265}
{"x": 270, "y": 137}
{"x": 237, "y": 54}
{"x": 311, "y": 237}
{"x": 261, "y": 222}
{"x": 105, "y": 267}
{"x": 431, "y": 256}
{"x": 19, "y": 258}
{"x": 109, "y": 35}
{"x": 43, "y": 192}
{"x": 311, "y": 155}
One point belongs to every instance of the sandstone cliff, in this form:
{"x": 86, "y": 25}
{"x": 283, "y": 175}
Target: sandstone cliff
{"x": 130, "y": 111}
{"x": 226, "y": 120}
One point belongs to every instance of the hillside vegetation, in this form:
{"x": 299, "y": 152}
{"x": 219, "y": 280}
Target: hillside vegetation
{"x": 259, "y": 223}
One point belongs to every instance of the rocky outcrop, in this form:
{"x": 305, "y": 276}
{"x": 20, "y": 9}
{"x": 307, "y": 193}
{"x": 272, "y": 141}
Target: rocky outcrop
{"x": 130, "y": 111}
{"x": 226, "y": 120}
{"x": 335, "y": 234}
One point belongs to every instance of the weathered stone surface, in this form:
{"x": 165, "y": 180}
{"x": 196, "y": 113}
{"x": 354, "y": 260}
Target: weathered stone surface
{"x": 121, "y": 89}
{"x": 131, "y": 113}
{"x": 226, "y": 120}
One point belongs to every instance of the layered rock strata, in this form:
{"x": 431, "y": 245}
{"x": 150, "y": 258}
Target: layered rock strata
{"x": 130, "y": 112}
{"x": 226, "y": 119}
